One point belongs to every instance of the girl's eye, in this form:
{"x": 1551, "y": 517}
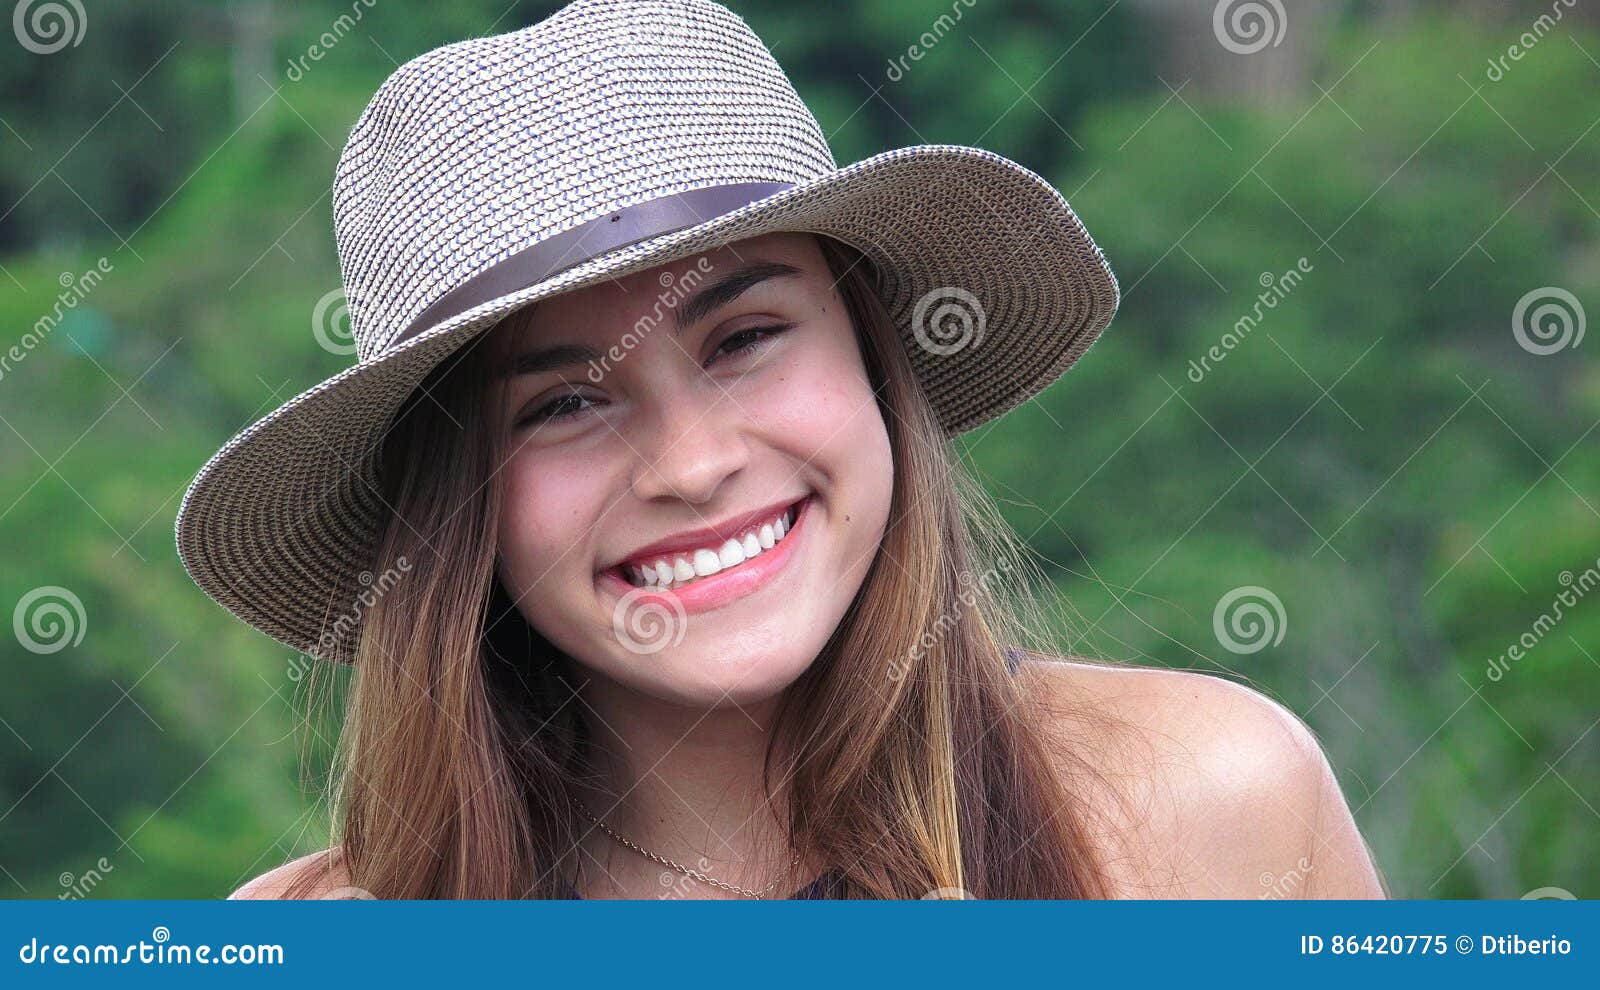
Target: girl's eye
{"x": 750, "y": 340}
{"x": 564, "y": 407}
{"x": 573, "y": 403}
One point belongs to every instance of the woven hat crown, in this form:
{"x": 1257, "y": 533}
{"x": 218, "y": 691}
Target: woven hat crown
{"x": 478, "y": 149}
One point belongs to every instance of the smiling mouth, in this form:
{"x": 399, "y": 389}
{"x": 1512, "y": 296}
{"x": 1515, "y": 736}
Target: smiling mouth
{"x": 684, "y": 568}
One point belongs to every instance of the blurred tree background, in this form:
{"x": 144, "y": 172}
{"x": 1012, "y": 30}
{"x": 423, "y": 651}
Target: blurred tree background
{"x": 1355, "y": 244}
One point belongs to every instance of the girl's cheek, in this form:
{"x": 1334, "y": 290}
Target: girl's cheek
{"x": 813, "y": 405}
{"x": 540, "y": 519}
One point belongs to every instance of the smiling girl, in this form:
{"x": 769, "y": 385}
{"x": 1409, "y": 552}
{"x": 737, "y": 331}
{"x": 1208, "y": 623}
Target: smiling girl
{"x": 697, "y": 598}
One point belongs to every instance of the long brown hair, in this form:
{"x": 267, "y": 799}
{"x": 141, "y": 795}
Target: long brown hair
{"x": 910, "y": 758}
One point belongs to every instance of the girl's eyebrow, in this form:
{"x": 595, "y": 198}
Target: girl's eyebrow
{"x": 549, "y": 359}
{"x": 728, "y": 288}
{"x": 719, "y": 293}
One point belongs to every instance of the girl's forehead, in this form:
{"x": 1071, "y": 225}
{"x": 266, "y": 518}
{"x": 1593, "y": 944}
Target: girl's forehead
{"x": 658, "y": 292}
{"x": 798, "y": 249}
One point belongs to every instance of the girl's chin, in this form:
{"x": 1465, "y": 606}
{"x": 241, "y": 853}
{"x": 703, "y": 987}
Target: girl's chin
{"x": 702, "y": 676}
{"x": 711, "y": 691}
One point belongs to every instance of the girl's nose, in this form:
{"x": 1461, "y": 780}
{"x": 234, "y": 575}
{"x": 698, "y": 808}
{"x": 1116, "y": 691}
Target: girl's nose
{"x": 687, "y": 444}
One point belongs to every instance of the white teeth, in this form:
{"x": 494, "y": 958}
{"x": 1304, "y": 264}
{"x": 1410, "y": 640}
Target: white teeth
{"x": 706, "y": 563}
{"x": 680, "y": 570}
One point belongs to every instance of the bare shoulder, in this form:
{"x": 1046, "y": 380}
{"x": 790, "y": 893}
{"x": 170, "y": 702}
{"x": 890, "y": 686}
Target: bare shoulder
{"x": 1206, "y": 787}
{"x": 315, "y": 876}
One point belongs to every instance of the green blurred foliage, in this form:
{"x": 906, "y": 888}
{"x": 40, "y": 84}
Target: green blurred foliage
{"x": 1378, "y": 451}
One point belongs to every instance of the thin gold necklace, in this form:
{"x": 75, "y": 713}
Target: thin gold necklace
{"x": 695, "y": 874}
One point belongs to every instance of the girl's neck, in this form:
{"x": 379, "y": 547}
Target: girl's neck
{"x": 684, "y": 784}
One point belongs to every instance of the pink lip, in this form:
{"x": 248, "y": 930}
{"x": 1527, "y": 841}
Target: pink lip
{"x": 711, "y": 536}
{"x": 725, "y": 586}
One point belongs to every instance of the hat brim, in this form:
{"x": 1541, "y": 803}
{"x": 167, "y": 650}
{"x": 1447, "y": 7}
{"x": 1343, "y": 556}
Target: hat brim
{"x": 280, "y": 525}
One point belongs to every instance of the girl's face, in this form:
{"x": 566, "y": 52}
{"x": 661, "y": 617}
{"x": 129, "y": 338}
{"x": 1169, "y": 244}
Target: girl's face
{"x": 660, "y": 432}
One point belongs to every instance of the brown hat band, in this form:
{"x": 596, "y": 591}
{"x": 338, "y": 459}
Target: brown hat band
{"x": 570, "y": 248}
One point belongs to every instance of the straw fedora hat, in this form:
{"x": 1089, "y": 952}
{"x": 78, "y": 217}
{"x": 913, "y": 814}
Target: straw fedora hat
{"x": 611, "y": 137}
